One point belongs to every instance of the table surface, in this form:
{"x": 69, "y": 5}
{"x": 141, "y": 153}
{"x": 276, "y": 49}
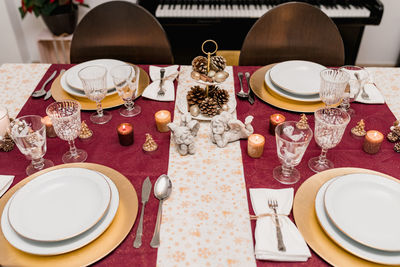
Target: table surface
{"x": 17, "y": 81}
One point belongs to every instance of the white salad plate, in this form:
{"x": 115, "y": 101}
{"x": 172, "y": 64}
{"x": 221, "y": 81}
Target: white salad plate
{"x": 75, "y": 82}
{"x": 297, "y": 76}
{"x": 366, "y": 207}
{"x": 76, "y": 92}
{"x": 55, "y": 248}
{"x": 367, "y": 253}
{"x": 286, "y": 94}
{"x": 59, "y": 204}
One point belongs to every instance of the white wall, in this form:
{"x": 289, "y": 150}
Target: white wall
{"x": 8, "y": 48}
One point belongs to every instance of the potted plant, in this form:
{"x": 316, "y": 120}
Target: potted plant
{"x": 60, "y": 16}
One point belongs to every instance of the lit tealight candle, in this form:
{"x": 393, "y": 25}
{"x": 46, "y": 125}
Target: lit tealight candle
{"x": 4, "y": 121}
{"x": 274, "y": 120}
{"x": 255, "y": 145}
{"x": 372, "y": 142}
{"x": 125, "y": 134}
{"x": 162, "y": 117}
{"x": 49, "y": 127}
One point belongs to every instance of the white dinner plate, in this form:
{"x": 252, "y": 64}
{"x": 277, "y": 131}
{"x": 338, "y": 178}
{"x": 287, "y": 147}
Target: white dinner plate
{"x": 55, "y": 248}
{"x": 75, "y": 82}
{"x": 367, "y": 253}
{"x": 59, "y": 204}
{"x": 366, "y": 207}
{"x": 181, "y": 102}
{"x": 281, "y": 92}
{"x": 297, "y": 76}
{"x": 77, "y": 92}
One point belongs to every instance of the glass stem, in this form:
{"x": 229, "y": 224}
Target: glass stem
{"x": 129, "y": 104}
{"x": 345, "y": 105}
{"x": 38, "y": 164}
{"x": 287, "y": 170}
{"x": 99, "y": 109}
{"x": 72, "y": 148}
{"x": 322, "y": 157}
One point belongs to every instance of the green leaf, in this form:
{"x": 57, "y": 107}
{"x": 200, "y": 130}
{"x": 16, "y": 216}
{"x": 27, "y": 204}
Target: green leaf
{"x": 22, "y": 12}
{"x": 36, "y": 11}
{"x": 48, "y": 9}
{"x": 39, "y": 3}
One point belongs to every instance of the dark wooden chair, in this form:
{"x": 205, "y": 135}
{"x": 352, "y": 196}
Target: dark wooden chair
{"x": 293, "y": 31}
{"x": 121, "y": 30}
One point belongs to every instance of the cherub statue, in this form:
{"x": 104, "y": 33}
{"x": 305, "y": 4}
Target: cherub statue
{"x": 226, "y": 129}
{"x": 184, "y": 134}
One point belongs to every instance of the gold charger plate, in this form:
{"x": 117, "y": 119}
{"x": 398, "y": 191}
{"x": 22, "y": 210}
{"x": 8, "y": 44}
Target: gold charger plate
{"x": 110, "y": 101}
{"x": 267, "y": 95}
{"x": 92, "y": 252}
{"x": 308, "y": 225}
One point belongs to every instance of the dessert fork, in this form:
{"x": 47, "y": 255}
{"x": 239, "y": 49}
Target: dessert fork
{"x": 161, "y": 91}
{"x": 273, "y": 204}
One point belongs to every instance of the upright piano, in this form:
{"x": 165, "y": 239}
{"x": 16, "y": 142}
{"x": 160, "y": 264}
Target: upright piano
{"x": 190, "y": 22}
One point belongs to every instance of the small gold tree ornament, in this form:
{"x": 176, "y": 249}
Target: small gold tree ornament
{"x": 359, "y": 129}
{"x": 149, "y": 144}
{"x": 302, "y": 124}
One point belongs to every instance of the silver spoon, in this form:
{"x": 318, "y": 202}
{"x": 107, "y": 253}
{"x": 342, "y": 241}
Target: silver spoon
{"x": 241, "y": 93}
{"x": 364, "y": 94}
{"x": 41, "y": 92}
{"x": 162, "y": 190}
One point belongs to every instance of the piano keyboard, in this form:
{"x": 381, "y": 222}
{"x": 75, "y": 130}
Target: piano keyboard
{"x": 167, "y": 10}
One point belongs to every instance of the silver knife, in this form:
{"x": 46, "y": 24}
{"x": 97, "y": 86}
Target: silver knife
{"x": 146, "y": 188}
{"x": 251, "y": 93}
{"x": 48, "y": 94}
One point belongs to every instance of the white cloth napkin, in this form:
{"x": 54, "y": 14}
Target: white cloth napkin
{"x": 170, "y": 75}
{"x": 265, "y": 233}
{"x": 375, "y": 97}
{"x": 5, "y": 182}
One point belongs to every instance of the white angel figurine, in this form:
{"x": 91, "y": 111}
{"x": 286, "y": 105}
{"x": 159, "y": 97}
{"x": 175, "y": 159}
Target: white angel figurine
{"x": 226, "y": 129}
{"x": 184, "y": 134}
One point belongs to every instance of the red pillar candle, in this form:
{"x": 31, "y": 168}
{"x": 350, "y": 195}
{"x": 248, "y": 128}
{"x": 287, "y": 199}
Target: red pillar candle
{"x": 372, "y": 141}
{"x": 125, "y": 134}
{"x": 274, "y": 120}
{"x": 255, "y": 145}
{"x": 49, "y": 127}
{"x": 162, "y": 117}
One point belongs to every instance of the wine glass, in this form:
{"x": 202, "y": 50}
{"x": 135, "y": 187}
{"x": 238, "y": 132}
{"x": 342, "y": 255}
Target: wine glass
{"x": 66, "y": 118}
{"x": 94, "y": 84}
{"x": 330, "y": 124}
{"x": 124, "y": 78}
{"x": 333, "y": 84}
{"x": 358, "y": 78}
{"x": 291, "y": 143}
{"x": 29, "y": 134}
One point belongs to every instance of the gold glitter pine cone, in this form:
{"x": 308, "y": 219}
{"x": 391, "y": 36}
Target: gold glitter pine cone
{"x": 7, "y": 144}
{"x": 397, "y": 147}
{"x": 392, "y": 137}
{"x": 196, "y": 95}
{"x": 209, "y": 107}
{"x": 218, "y": 63}
{"x": 199, "y": 64}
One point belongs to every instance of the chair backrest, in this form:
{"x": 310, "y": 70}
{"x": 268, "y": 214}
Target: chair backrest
{"x": 293, "y": 31}
{"x": 121, "y": 30}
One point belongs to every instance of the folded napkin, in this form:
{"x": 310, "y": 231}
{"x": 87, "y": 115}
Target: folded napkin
{"x": 375, "y": 97}
{"x": 265, "y": 234}
{"x": 5, "y": 182}
{"x": 170, "y": 75}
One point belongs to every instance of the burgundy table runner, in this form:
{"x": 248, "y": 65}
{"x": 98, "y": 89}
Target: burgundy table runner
{"x": 136, "y": 165}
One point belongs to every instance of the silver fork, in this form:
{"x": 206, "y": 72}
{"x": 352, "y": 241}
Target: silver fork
{"x": 364, "y": 94}
{"x": 161, "y": 91}
{"x": 241, "y": 93}
{"x": 273, "y": 204}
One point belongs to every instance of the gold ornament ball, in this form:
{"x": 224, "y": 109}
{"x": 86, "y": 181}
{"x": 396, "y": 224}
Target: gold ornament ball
{"x": 220, "y": 76}
{"x": 211, "y": 73}
{"x": 195, "y": 75}
{"x": 194, "y": 110}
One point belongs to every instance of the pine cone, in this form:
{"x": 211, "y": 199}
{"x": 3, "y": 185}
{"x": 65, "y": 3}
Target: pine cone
{"x": 209, "y": 107}
{"x": 199, "y": 64}
{"x": 218, "y": 94}
{"x": 7, "y": 144}
{"x": 218, "y": 63}
{"x": 397, "y": 147}
{"x": 392, "y": 137}
{"x": 196, "y": 95}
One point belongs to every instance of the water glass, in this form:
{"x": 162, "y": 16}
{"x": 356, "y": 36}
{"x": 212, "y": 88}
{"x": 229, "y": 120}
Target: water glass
{"x": 358, "y": 78}
{"x": 330, "y": 124}
{"x": 66, "y": 118}
{"x": 333, "y": 84}
{"x": 29, "y": 134}
{"x": 124, "y": 78}
{"x": 291, "y": 143}
{"x": 95, "y": 86}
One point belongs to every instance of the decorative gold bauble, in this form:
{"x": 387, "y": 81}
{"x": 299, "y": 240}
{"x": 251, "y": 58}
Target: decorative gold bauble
{"x": 195, "y": 75}
{"x": 194, "y": 110}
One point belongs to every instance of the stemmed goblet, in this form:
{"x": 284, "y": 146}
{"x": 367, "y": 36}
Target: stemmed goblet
{"x": 333, "y": 84}
{"x": 358, "y": 78}
{"x": 291, "y": 143}
{"x": 66, "y": 118}
{"x": 94, "y": 84}
{"x": 29, "y": 134}
{"x": 330, "y": 124}
{"x": 124, "y": 78}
